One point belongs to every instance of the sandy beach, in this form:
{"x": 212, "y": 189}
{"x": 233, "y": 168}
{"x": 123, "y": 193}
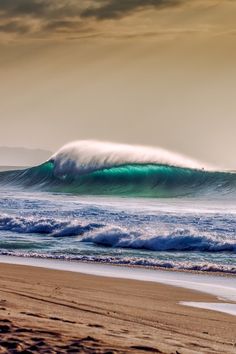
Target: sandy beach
{"x": 51, "y": 311}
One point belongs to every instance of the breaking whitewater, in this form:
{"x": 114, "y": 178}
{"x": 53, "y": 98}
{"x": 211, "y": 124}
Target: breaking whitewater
{"x": 121, "y": 204}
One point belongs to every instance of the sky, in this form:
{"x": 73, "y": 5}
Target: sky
{"x": 152, "y": 72}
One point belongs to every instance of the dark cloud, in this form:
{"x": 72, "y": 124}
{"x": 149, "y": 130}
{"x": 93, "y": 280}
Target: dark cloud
{"x": 66, "y": 15}
{"x": 66, "y": 27}
{"x": 12, "y": 8}
{"x": 112, "y": 9}
{"x": 44, "y": 9}
{"x": 14, "y": 27}
{"x": 63, "y": 8}
{"x": 19, "y": 16}
{"x": 60, "y": 24}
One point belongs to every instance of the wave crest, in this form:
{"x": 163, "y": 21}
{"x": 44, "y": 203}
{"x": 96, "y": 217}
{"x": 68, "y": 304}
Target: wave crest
{"x": 86, "y": 156}
{"x": 45, "y": 226}
{"x": 177, "y": 240}
{"x": 185, "y": 240}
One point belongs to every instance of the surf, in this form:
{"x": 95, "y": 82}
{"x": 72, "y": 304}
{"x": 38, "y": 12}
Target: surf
{"x": 101, "y": 168}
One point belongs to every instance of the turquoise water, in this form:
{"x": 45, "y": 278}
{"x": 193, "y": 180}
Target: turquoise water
{"x": 130, "y": 180}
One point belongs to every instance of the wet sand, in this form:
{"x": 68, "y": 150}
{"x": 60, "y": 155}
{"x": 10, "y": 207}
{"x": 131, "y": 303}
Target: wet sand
{"x": 52, "y": 311}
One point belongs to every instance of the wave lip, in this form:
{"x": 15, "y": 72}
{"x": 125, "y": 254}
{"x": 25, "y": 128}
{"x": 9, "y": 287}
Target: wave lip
{"x": 86, "y": 156}
{"x": 48, "y": 226}
{"x": 178, "y": 240}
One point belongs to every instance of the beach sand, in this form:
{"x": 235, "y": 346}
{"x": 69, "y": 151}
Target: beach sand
{"x": 51, "y": 311}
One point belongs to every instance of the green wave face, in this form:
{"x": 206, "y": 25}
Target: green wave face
{"x": 131, "y": 180}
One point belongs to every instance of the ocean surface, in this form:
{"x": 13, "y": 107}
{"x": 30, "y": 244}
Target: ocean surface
{"x": 105, "y": 205}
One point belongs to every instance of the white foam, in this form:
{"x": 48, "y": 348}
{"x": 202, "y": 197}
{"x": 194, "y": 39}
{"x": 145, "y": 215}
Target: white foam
{"x": 149, "y": 263}
{"x": 178, "y": 239}
{"x": 88, "y": 155}
{"x": 41, "y": 225}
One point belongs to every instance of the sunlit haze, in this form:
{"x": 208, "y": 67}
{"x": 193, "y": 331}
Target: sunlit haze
{"x": 159, "y": 73}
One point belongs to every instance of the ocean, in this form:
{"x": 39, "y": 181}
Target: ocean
{"x": 110, "y": 204}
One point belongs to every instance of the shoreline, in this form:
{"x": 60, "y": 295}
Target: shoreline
{"x": 60, "y": 310}
{"x": 223, "y": 287}
{"x": 224, "y": 274}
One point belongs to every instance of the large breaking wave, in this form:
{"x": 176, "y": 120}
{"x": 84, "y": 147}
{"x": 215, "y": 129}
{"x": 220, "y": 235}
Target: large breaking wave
{"x": 96, "y": 168}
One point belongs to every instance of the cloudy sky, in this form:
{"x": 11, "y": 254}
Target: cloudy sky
{"x": 155, "y": 72}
